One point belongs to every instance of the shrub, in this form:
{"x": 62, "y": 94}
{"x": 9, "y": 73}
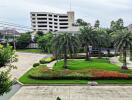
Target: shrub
{"x": 47, "y": 60}
{"x": 36, "y": 64}
{"x": 58, "y": 98}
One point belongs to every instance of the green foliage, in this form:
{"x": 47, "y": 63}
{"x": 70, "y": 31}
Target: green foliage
{"x": 5, "y": 83}
{"x": 117, "y": 25}
{"x": 97, "y": 24}
{"x": 36, "y": 64}
{"x": 44, "y": 42}
{"x": 123, "y": 41}
{"x": 58, "y": 98}
{"x": 64, "y": 44}
{"x": 7, "y": 56}
{"x": 23, "y": 41}
{"x": 87, "y": 38}
{"x": 46, "y": 60}
{"x": 81, "y": 22}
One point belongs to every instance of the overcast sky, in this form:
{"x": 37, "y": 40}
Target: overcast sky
{"x": 18, "y": 11}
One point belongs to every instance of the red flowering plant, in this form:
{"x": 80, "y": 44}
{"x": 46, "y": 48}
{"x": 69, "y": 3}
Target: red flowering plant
{"x": 109, "y": 74}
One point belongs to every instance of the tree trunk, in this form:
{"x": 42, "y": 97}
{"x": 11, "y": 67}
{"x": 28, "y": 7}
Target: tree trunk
{"x": 131, "y": 53}
{"x": 65, "y": 59}
{"x": 100, "y": 55}
{"x": 87, "y": 54}
{"x": 108, "y": 52}
{"x": 124, "y": 60}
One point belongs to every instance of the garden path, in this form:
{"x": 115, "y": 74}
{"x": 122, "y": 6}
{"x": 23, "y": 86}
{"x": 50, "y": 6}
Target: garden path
{"x": 74, "y": 93}
{"x": 115, "y": 60}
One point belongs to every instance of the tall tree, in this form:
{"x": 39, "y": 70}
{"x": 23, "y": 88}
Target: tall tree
{"x": 87, "y": 38}
{"x": 23, "y": 41}
{"x": 44, "y": 42}
{"x": 97, "y": 24}
{"x": 81, "y": 22}
{"x": 7, "y": 56}
{"x": 102, "y": 40}
{"x": 123, "y": 41}
{"x": 65, "y": 44}
{"x": 117, "y": 25}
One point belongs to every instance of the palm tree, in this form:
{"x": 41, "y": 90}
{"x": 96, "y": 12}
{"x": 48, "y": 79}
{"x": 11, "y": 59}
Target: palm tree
{"x": 102, "y": 40}
{"x": 123, "y": 41}
{"x": 87, "y": 38}
{"x": 64, "y": 44}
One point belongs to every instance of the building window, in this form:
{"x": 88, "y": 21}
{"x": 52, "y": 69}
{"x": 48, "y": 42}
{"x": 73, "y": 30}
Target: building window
{"x": 50, "y": 15}
{"x": 33, "y": 18}
{"x": 50, "y": 18}
{"x": 63, "y": 23}
{"x": 55, "y": 27}
{"x": 42, "y": 22}
{"x": 50, "y": 26}
{"x": 41, "y": 15}
{"x": 55, "y": 15}
{"x": 63, "y": 27}
{"x": 63, "y": 16}
{"x": 50, "y": 22}
{"x": 63, "y": 20}
{"x": 42, "y": 25}
{"x": 55, "y": 19}
{"x": 33, "y": 22}
{"x": 55, "y": 23}
{"x": 33, "y": 14}
{"x": 41, "y": 18}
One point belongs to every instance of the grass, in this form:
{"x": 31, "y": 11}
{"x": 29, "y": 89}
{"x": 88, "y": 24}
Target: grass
{"x": 30, "y": 50}
{"x": 102, "y": 64}
{"x": 80, "y": 64}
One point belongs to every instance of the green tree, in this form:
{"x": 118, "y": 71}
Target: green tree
{"x": 7, "y": 56}
{"x": 87, "y": 38}
{"x": 23, "y": 41}
{"x": 44, "y": 42}
{"x": 123, "y": 41}
{"x": 102, "y": 40}
{"x": 38, "y": 35}
{"x": 81, "y": 22}
{"x": 97, "y": 24}
{"x": 5, "y": 82}
{"x": 58, "y": 98}
{"x": 65, "y": 44}
{"x": 117, "y": 25}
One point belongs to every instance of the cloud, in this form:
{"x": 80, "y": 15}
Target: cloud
{"x": 18, "y": 11}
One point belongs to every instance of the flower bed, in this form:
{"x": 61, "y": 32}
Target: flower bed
{"x": 43, "y": 73}
{"x": 109, "y": 74}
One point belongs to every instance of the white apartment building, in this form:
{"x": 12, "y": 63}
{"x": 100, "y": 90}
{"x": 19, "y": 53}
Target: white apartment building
{"x": 46, "y": 21}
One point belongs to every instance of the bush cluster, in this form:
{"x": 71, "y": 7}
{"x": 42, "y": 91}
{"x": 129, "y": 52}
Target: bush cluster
{"x": 43, "y": 73}
{"x": 36, "y": 64}
{"x": 46, "y": 60}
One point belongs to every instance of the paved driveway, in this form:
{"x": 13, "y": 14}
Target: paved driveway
{"x": 25, "y": 62}
{"x": 74, "y": 93}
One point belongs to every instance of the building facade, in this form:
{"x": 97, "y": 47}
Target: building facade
{"x": 45, "y": 21}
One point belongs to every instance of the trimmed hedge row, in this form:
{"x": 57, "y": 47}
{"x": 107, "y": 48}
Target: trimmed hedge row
{"x": 46, "y": 60}
{"x": 43, "y": 73}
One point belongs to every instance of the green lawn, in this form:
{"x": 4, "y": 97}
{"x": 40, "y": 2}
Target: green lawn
{"x": 102, "y": 64}
{"x": 29, "y": 50}
{"x": 98, "y": 64}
